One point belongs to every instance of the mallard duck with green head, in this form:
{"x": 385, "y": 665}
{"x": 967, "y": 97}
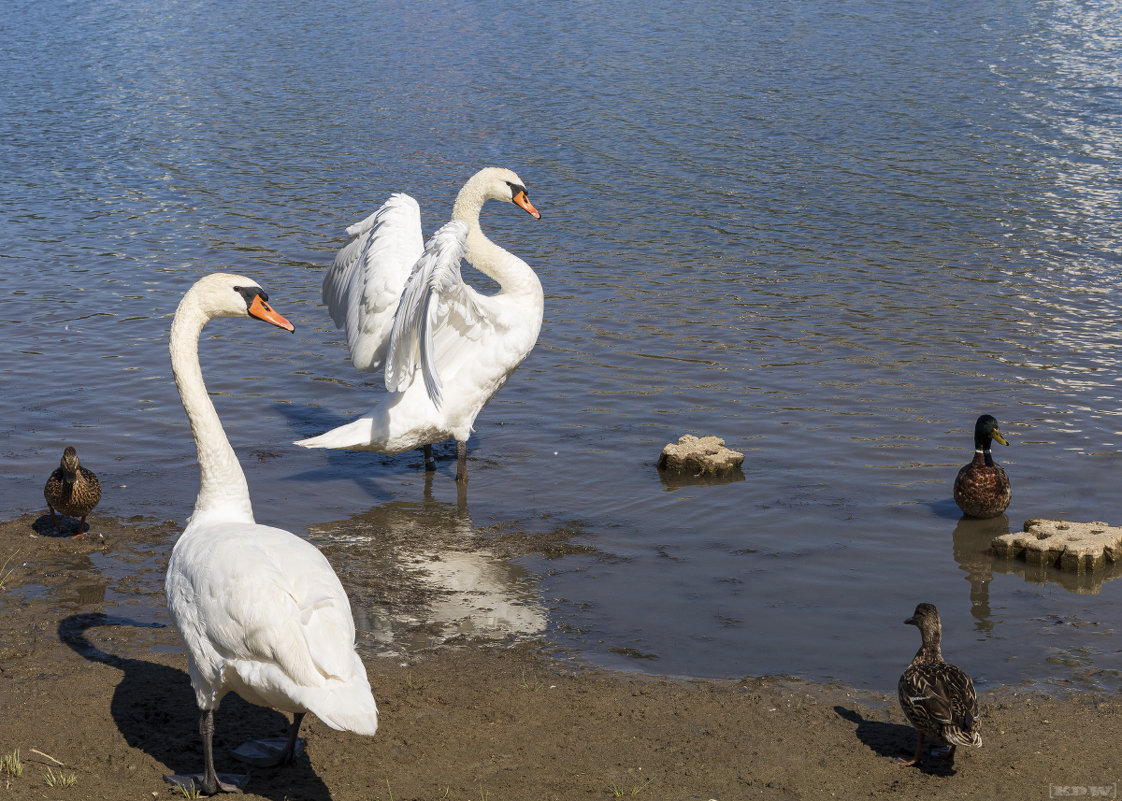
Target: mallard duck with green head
{"x": 982, "y": 489}
{"x": 937, "y": 698}
{"x": 72, "y": 490}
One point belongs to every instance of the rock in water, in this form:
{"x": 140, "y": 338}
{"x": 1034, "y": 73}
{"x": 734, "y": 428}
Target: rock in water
{"x": 1077, "y": 547}
{"x": 705, "y": 456}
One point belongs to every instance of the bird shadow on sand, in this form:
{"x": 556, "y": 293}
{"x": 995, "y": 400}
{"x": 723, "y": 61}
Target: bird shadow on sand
{"x": 154, "y": 708}
{"x": 68, "y": 526}
{"x": 894, "y": 740}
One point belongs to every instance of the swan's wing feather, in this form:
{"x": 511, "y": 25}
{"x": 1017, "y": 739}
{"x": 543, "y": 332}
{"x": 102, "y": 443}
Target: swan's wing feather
{"x": 433, "y": 287}
{"x": 364, "y": 284}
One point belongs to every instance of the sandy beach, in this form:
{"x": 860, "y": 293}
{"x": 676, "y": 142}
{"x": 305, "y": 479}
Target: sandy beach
{"x": 89, "y": 678}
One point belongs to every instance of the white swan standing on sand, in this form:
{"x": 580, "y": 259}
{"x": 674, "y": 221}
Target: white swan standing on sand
{"x": 261, "y": 611}
{"x": 404, "y": 304}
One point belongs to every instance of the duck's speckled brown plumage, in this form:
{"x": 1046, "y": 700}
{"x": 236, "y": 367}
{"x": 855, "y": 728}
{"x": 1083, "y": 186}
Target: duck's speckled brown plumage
{"x": 72, "y": 490}
{"x": 981, "y": 488}
{"x": 937, "y": 698}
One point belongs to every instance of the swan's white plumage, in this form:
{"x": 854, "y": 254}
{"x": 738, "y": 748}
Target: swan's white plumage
{"x": 260, "y": 610}
{"x": 279, "y": 637}
{"x": 464, "y": 344}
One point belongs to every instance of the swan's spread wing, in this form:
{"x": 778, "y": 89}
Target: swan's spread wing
{"x": 362, "y": 288}
{"x": 438, "y": 311}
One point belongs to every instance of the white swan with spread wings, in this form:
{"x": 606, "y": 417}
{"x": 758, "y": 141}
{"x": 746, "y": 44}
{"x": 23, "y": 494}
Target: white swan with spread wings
{"x": 446, "y": 348}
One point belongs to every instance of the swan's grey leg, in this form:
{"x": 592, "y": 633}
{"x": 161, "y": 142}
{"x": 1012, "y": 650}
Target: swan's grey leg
{"x": 430, "y": 463}
{"x": 461, "y": 461}
{"x": 210, "y": 783}
{"x": 289, "y": 754}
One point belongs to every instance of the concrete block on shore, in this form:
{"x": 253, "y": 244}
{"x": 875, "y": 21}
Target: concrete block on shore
{"x": 706, "y": 456}
{"x": 1076, "y": 547}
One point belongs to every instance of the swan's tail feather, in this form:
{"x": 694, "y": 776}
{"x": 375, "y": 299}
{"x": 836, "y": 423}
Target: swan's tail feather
{"x": 352, "y": 708}
{"x": 356, "y": 434}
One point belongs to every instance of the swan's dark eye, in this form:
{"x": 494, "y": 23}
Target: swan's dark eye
{"x": 251, "y": 292}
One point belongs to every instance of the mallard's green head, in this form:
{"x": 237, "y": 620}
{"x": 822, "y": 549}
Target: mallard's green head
{"x": 985, "y": 430}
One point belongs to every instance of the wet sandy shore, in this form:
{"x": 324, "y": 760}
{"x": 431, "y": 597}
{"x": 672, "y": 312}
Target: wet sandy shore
{"x": 93, "y": 678}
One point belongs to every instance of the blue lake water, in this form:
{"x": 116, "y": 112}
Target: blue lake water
{"x": 831, "y": 233}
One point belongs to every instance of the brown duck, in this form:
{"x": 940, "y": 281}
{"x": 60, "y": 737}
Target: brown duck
{"x": 937, "y": 698}
{"x": 72, "y": 490}
{"x": 982, "y": 489}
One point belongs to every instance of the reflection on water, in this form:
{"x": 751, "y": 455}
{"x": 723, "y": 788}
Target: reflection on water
{"x": 419, "y": 575}
{"x": 1083, "y": 583}
{"x": 479, "y": 595}
{"x": 673, "y": 480}
{"x": 976, "y": 557}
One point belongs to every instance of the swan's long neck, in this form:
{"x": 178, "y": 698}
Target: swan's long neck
{"x": 513, "y": 275}
{"x": 222, "y": 485}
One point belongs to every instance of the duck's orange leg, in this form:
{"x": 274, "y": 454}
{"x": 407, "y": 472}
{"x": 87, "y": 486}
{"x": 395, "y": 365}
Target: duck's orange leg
{"x": 905, "y": 763}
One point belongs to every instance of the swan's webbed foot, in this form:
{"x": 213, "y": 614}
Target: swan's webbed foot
{"x": 196, "y": 783}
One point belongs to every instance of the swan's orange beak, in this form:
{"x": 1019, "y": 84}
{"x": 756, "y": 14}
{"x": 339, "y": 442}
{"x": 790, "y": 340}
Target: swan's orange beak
{"x": 524, "y": 203}
{"x": 263, "y": 311}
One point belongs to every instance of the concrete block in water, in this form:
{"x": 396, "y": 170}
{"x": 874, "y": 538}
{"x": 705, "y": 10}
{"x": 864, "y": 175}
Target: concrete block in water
{"x": 1076, "y": 547}
{"x": 699, "y": 456}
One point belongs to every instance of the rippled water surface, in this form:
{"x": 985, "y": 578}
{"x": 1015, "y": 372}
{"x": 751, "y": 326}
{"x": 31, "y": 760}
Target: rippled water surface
{"x": 831, "y": 233}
